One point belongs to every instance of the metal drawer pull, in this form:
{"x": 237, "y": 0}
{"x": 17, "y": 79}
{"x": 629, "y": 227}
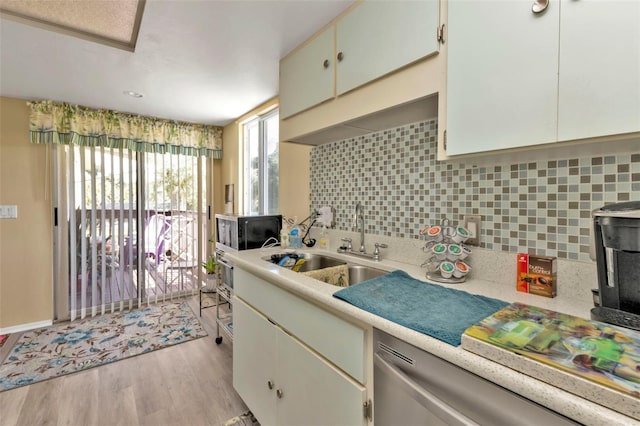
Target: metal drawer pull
{"x": 539, "y": 6}
{"x": 270, "y": 384}
{"x": 428, "y": 400}
{"x": 326, "y": 63}
{"x": 279, "y": 393}
{"x": 340, "y": 56}
{"x": 225, "y": 263}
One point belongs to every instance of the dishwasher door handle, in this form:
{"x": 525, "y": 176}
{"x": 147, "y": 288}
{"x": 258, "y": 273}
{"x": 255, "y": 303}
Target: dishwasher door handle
{"x": 425, "y": 398}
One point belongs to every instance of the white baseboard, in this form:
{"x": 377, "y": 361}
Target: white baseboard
{"x": 25, "y": 327}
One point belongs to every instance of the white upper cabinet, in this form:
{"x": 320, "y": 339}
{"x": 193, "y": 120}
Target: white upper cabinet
{"x": 517, "y": 78}
{"x": 306, "y": 77}
{"x": 599, "y": 90}
{"x": 379, "y": 37}
{"x": 502, "y": 77}
{"x": 372, "y": 40}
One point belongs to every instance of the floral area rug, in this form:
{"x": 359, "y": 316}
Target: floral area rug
{"x": 62, "y": 349}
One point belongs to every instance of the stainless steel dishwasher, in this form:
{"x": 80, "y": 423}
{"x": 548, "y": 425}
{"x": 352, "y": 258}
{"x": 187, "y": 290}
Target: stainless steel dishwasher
{"x": 413, "y": 387}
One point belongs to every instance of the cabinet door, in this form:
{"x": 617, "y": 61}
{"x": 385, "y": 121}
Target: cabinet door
{"x": 313, "y": 391}
{"x": 254, "y": 360}
{"x": 599, "y": 91}
{"x": 378, "y": 37}
{"x": 305, "y": 81}
{"x": 502, "y": 77}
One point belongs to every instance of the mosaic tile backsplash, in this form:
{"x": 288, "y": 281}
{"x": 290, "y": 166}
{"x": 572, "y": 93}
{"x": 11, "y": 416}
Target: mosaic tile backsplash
{"x": 541, "y": 207}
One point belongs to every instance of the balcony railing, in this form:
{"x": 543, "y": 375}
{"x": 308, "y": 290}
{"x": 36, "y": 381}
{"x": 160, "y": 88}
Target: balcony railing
{"x": 169, "y": 255}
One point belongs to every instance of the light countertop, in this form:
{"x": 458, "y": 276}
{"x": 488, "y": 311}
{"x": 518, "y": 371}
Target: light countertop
{"x": 561, "y": 401}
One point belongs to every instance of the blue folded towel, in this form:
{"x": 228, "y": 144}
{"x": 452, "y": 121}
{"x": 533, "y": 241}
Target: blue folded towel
{"x": 440, "y": 312}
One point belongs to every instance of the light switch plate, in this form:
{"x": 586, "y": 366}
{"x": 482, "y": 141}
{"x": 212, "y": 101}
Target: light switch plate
{"x": 8, "y": 212}
{"x": 472, "y": 223}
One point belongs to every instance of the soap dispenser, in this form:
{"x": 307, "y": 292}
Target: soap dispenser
{"x": 295, "y": 235}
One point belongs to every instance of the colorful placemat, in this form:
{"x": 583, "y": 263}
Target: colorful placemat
{"x": 596, "y": 351}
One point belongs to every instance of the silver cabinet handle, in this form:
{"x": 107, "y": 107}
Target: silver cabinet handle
{"x": 270, "y": 384}
{"x": 539, "y": 6}
{"x": 326, "y": 63}
{"x": 340, "y": 56}
{"x": 279, "y": 393}
{"x": 428, "y": 400}
{"x": 225, "y": 263}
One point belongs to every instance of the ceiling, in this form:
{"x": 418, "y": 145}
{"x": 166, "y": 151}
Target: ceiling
{"x": 203, "y": 61}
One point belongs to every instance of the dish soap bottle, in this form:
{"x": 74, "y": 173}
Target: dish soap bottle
{"x": 295, "y": 235}
{"x": 323, "y": 243}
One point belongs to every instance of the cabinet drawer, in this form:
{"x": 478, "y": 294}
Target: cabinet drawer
{"x": 340, "y": 341}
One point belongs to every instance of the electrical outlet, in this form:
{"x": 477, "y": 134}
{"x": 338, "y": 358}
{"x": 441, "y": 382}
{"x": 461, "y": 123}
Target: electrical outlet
{"x": 472, "y": 223}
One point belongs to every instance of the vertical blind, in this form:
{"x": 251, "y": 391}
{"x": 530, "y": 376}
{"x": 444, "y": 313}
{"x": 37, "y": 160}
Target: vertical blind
{"x": 136, "y": 227}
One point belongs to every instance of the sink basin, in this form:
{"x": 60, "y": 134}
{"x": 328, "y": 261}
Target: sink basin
{"x": 359, "y": 273}
{"x": 314, "y": 262}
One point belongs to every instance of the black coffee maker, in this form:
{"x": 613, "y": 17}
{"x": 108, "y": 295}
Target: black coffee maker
{"x": 617, "y": 247}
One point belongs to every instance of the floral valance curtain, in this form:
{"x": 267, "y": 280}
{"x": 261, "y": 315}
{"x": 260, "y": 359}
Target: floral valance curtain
{"x": 61, "y": 123}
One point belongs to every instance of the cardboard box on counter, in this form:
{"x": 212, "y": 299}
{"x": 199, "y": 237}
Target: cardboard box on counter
{"x": 536, "y": 275}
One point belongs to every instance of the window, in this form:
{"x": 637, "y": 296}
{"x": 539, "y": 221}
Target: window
{"x": 261, "y": 160}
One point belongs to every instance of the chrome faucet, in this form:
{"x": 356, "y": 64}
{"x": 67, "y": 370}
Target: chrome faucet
{"x": 346, "y": 248}
{"x": 359, "y": 216}
{"x": 358, "y": 224}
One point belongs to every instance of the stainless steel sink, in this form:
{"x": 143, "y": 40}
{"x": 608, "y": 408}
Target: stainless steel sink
{"x": 359, "y": 273}
{"x": 314, "y": 262}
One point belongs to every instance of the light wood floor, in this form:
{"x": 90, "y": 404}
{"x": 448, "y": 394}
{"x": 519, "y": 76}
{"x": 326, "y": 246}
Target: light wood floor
{"x": 186, "y": 384}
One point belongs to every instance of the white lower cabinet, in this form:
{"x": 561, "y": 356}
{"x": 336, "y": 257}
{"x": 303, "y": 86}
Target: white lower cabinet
{"x": 283, "y": 382}
{"x": 254, "y": 361}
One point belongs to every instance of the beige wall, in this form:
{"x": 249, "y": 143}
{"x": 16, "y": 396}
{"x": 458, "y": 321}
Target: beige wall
{"x": 218, "y": 196}
{"x": 294, "y": 169}
{"x": 295, "y": 198}
{"x": 229, "y": 166}
{"x": 26, "y": 243}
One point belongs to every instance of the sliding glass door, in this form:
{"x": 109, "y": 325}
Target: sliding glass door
{"x": 131, "y": 228}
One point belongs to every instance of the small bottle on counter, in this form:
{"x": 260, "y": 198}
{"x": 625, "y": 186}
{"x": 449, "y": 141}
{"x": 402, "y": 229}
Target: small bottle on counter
{"x": 323, "y": 242}
{"x": 295, "y": 235}
{"x": 284, "y": 237}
